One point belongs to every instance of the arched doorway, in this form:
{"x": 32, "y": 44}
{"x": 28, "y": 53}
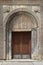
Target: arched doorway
{"x": 24, "y": 22}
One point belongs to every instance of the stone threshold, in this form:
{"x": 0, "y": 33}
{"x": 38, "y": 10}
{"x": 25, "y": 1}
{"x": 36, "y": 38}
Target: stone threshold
{"x": 23, "y": 60}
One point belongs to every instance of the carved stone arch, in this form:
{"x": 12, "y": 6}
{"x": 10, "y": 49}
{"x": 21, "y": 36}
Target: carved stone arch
{"x": 25, "y": 10}
{"x": 10, "y": 17}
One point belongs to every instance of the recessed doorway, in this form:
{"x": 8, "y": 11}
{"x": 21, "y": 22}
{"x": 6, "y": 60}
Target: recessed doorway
{"x": 21, "y": 45}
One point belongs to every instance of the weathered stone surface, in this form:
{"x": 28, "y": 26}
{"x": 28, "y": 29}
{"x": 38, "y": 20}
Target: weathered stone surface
{"x": 1, "y": 62}
{"x": 17, "y": 63}
{"x": 36, "y": 54}
{"x": 21, "y": 63}
{"x": 41, "y": 37}
{"x": 2, "y": 49}
{"x": 1, "y": 35}
{"x": 20, "y": 1}
{"x": 38, "y": 63}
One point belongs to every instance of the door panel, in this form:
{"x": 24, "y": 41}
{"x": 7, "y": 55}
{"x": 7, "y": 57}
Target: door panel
{"x": 26, "y": 42}
{"x": 15, "y": 43}
{"x": 21, "y": 44}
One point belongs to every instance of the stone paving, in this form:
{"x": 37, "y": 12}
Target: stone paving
{"x": 21, "y": 63}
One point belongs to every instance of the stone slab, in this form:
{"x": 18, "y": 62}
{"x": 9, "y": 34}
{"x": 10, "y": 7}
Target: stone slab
{"x": 1, "y": 63}
{"x": 17, "y": 63}
{"x": 21, "y": 63}
{"x": 38, "y": 63}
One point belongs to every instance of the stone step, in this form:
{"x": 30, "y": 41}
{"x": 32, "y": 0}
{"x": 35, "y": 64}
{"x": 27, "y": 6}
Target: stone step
{"x": 17, "y": 63}
{"x": 21, "y": 63}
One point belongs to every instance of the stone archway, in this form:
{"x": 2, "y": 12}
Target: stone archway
{"x": 32, "y": 22}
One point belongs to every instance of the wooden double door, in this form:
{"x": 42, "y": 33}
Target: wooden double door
{"x": 21, "y": 44}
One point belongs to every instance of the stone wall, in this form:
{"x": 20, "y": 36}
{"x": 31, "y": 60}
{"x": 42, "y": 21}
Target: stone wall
{"x": 40, "y": 29}
{"x": 36, "y": 10}
{"x": 41, "y": 7}
{"x": 2, "y": 54}
{"x": 20, "y": 2}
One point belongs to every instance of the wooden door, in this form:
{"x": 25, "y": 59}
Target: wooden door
{"x": 21, "y": 43}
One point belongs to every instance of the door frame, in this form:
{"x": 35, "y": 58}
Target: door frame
{"x": 22, "y": 32}
{"x": 9, "y": 38}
